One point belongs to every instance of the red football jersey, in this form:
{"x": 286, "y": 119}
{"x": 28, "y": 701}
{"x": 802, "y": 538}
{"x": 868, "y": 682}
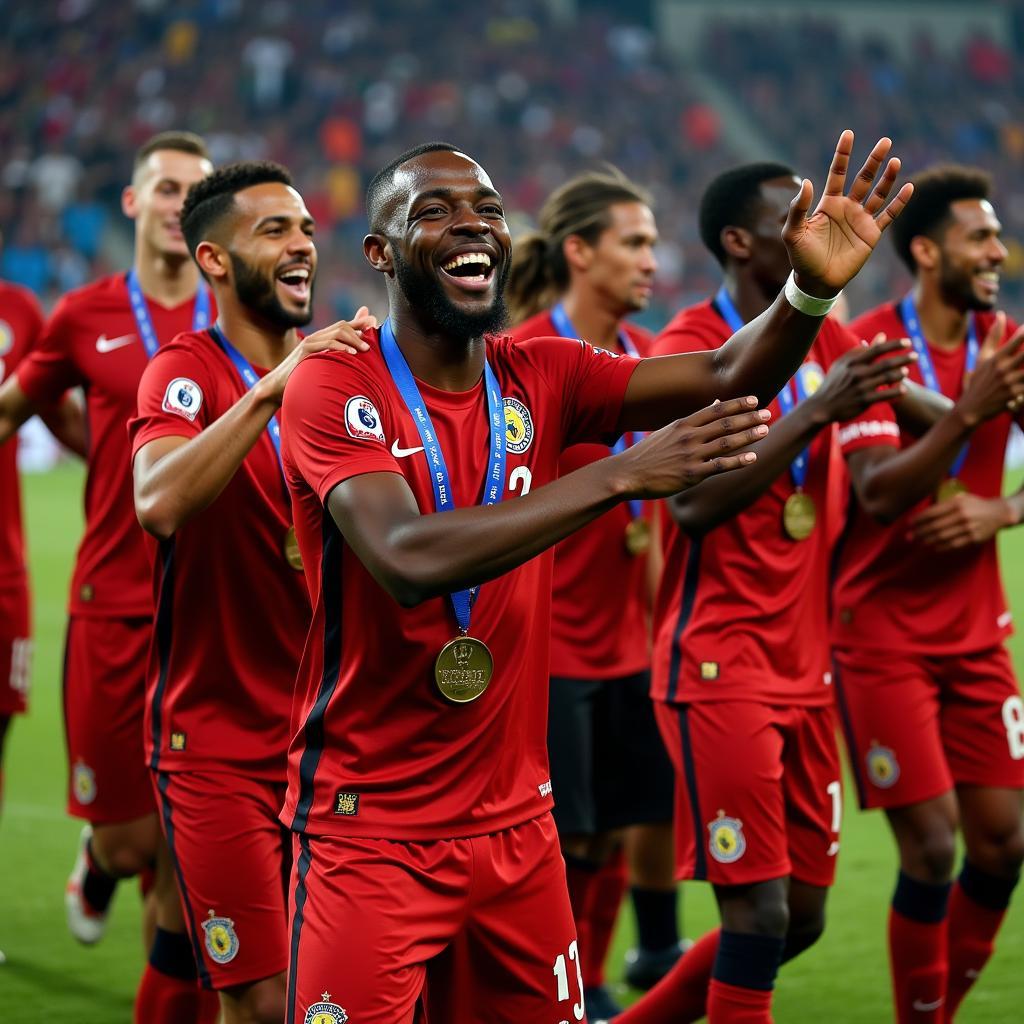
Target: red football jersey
{"x": 379, "y": 752}
{"x": 20, "y": 323}
{"x": 894, "y": 594}
{"x": 91, "y": 340}
{"x": 599, "y": 603}
{"x": 742, "y": 612}
{"x": 231, "y": 613}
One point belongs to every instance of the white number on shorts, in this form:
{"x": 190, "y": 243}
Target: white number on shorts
{"x": 520, "y": 475}
{"x": 561, "y": 974}
{"x": 21, "y": 665}
{"x": 1013, "y": 719}
{"x": 835, "y": 790}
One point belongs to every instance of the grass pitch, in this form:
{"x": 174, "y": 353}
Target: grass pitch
{"x": 844, "y": 979}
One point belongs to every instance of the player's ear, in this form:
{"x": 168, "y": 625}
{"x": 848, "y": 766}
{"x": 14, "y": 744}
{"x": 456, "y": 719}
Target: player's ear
{"x": 925, "y": 251}
{"x": 377, "y": 250}
{"x": 129, "y": 206}
{"x": 736, "y": 242}
{"x": 213, "y": 260}
{"x": 578, "y": 253}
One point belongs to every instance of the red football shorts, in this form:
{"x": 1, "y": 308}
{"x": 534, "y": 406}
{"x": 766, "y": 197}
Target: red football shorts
{"x": 758, "y": 794}
{"x": 916, "y": 726}
{"x": 232, "y": 857}
{"x": 104, "y": 696}
{"x": 15, "y": 652}
{"x": 465, "y": 930}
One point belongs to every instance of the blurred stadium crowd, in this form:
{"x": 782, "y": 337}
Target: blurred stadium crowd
{"x": 334, "y": 90}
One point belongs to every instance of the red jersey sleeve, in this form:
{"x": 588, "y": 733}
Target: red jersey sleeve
{"x": 49, "y": 369}
{"x": 333, "y": 422}
{"x": 174, "y": 396}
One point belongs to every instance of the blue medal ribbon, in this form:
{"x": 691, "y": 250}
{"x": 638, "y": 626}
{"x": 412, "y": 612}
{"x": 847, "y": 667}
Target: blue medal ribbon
{"x": 912, "y": 322}
{"x": 249, "y": 378}
{"x": 144, "y": 322}
{"x": 565, "y": 329}
{"x": 444, "y": 501}
{"x": 787, "y": 400}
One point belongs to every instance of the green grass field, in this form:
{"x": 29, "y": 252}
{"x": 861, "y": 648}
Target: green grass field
{"x": 47, "y": 976}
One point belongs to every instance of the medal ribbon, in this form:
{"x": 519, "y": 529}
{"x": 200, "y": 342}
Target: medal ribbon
{"x": 564, "y": 326}
{"x": 912, "y": 322}
{"x": 249, "y": 377}
{"x": 494, "y": 482}
{"x": 144, "y": 322}
{"x": 787, "y": 400}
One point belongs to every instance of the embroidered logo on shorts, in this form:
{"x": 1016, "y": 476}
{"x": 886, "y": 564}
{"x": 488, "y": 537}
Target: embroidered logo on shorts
{"x": 177, "y": 741}
{"x": 709, "y": 670}
{"x": 346, "y": 803}
{"x": 518, "y": 426}
{"x": 83, "y": 782}
{"x": 221, "y": 939}
{"x": 883, "y": 768}
{"x": 325, "y": 1012}
{"x": 726, "y": 840}
{"x": 362, "y": 419}
{"x": 183, "y": 396}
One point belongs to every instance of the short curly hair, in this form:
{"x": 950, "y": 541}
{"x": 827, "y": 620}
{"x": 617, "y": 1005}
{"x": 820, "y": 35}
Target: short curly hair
{"x": 928, "y": 212}
{"x": 210, "y": 199}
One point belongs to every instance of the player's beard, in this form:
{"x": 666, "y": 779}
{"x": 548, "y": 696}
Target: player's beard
{"x": 426, "y": 296}
{"x": 956, "y": 285}
{"x": 256, "y": 291}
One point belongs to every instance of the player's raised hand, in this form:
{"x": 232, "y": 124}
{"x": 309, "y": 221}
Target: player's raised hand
{"x": 691, "y": 449}
{"x": 829, "y": 246}
{"x": 997, "y": 383}
{"x": 865, "y": 375}
{"x": 344, "y": 336}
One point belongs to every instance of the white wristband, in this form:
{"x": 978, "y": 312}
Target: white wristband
{"x": 809, "y": 304}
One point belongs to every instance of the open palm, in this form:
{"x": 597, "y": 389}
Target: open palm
{"x": 828, "y": 248}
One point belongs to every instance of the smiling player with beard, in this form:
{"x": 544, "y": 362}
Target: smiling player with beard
{"x": 426, "y": 859}
{"x": 231, "y": 604}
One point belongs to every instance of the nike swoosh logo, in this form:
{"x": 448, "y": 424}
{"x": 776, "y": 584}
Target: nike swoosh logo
{"x": 925, "y": 1007}
{"x": 105, "y": 344}
{"x": 401, "y": 453}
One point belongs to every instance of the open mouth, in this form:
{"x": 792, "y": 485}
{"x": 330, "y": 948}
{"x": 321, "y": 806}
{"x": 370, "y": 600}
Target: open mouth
{"x": 988, "y": 280}
{"x": 471, "y": 271}
{"x": 295, "y": 281}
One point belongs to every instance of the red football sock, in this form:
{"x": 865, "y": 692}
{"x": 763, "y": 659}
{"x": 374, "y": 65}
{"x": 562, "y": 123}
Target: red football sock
{"x": 917, "y": 951}
{"x": 976, "y": 910}
{"x": 731, "y": 1004}
{"x": 682, "y": 995}
{"x": 163, "y": 999}
{"x": 602, "y": 912}
{"x": 581, "y": 877}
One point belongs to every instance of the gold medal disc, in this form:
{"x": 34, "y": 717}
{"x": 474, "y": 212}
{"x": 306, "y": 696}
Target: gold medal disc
{"x": 463, "y": 669}
{"x": 799, "y": 516}
{"x": 292, "y": 554}
{"x": 950, "y": 488}
{"x": 638, "y": 536}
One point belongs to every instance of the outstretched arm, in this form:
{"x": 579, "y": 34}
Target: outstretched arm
{"x": 826, "y": 248}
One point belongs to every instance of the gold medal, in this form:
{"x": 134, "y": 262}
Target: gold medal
{"x": 799, "y": 516}
{"x": 463, "y": 669}
{"x": 292, "y": 554}
{"x": 638, "y": 536}
{"x": 950, "y": 488}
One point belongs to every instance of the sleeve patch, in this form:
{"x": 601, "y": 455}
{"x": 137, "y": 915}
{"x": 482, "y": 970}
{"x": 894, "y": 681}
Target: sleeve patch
{"x": 362, "y": 419}
{"x": 184, "y": 397}
{"x": 867, "y": 428}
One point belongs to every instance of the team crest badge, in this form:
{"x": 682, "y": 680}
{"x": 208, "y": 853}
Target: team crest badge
{"x": 6, "y": 338}
{"x": 325, "y": 1012}
{"x": 221, "y": 939}
{"x": 726, "y": 840}
{"x": 883, "y": 768}
{"x": 183, "y": 396}
{"x": 83, "y": 782}
{"x": 812, "y": 376}
{"x": 518, "y": 426}
{"x": 362, "y": 419}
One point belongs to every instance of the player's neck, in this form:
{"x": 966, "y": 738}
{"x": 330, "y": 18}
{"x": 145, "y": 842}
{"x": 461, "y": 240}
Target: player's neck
{"x": 943, "y": 325}
{"x": 591, "y": 319}
{"x": 169, "y": 280}
{"x": 747, "y": 294}
{"x": 263, "y": 343}
{"x": 450, "y": 364}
